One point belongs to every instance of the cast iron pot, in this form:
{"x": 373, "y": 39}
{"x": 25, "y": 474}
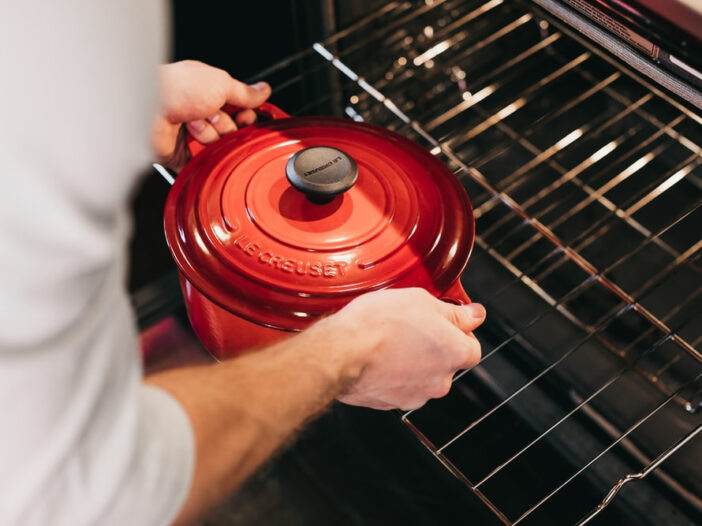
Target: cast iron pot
{"x": 288, "y": 220}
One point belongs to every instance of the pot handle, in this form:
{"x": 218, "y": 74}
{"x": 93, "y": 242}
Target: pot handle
{"x": 266, "y": 109}
{"x": 455, "y": 294}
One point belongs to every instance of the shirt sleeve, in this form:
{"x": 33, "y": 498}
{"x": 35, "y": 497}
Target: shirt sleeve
{"x": 82, "y": 439}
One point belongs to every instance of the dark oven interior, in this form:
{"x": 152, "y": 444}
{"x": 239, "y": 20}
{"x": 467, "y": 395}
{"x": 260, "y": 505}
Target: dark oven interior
{"x": 586, "y": 183}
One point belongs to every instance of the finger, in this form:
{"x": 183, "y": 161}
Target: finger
{"x": 405, "y": 398}
{"x": 442, "y": 387}
{"x": 222, "y": 123}
{"x": 245, "y": 96}
{"x": 245, "y": 118}
{"x": 470, "y": 353}
{"x": 465, "y": 317}
{"x": 461, "y": 350}
{"x": 180, "y": 155}
{"x": 412, "y": 404}
{"x": 203, "y": 131}
{"x": 164, "y": 138}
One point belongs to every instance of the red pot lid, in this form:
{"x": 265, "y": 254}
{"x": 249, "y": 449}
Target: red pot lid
{"x": 264, "y": 250}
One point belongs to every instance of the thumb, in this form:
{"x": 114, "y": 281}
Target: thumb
{"x": 466, "y": 317}
{"x": 245, "y": 96}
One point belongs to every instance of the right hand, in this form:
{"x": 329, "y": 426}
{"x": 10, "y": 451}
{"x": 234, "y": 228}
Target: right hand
{"x": 406, "y": 346}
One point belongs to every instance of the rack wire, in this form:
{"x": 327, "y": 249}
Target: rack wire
{"x": 587, "y": 188}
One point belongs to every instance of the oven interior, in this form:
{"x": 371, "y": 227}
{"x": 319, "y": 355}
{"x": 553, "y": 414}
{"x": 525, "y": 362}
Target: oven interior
{"x": 586, "y": 182}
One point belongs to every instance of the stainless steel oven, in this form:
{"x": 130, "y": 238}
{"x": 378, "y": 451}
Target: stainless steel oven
{"x": 582, "y": 157}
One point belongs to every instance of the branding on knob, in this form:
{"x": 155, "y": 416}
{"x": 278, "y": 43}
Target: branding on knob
{"x": 321, "y": 172}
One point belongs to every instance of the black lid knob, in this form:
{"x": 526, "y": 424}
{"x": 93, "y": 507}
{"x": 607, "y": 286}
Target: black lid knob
{"x": 321, "y": 172}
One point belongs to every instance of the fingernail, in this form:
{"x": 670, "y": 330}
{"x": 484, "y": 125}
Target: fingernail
{"x": 476, "y": 310}
{"x": 214, "y": 118}
{"x": 198, "y": 126}
{"x": 260, "y": 86}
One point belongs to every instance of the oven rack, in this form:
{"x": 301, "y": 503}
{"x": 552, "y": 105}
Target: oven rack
{"x": 582, "y": 174}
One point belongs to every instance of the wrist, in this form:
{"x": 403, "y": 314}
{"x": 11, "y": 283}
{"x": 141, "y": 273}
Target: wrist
{"x": 345, "y": 350}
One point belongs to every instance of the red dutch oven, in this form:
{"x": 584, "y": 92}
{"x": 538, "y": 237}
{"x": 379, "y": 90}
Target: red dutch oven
{"x": 288, "y": 220}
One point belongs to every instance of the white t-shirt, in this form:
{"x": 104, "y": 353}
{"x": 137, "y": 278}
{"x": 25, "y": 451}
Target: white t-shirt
{"x": 82, "y": 440}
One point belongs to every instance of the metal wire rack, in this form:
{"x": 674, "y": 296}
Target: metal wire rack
{"x": 587, "y": 184}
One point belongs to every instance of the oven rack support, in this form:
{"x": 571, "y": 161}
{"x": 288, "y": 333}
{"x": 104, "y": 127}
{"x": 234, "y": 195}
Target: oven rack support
{"x": 640, "y": 475}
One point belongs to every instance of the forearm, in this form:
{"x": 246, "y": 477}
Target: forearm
{"x": 242, "y": 410}
{"x": 387, "y": 349}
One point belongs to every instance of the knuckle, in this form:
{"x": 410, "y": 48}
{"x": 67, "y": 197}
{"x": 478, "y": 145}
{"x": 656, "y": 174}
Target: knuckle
{"x": 473, "y": 352}
{"x": 435, "y": 391}
{"x": 457, "y": 347}
{"x": 454, "y": 316}
{"x": 442, "y": 388}
{"x": 225, "y": 124}
{"x": 461, "y": 354}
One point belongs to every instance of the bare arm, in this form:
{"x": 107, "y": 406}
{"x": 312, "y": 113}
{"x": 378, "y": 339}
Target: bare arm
{"x": 387, "y": 349}
{"x": 242, "y": 410}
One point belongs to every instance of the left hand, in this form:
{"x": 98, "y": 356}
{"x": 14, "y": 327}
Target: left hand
{"x": 193, "y": 94}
